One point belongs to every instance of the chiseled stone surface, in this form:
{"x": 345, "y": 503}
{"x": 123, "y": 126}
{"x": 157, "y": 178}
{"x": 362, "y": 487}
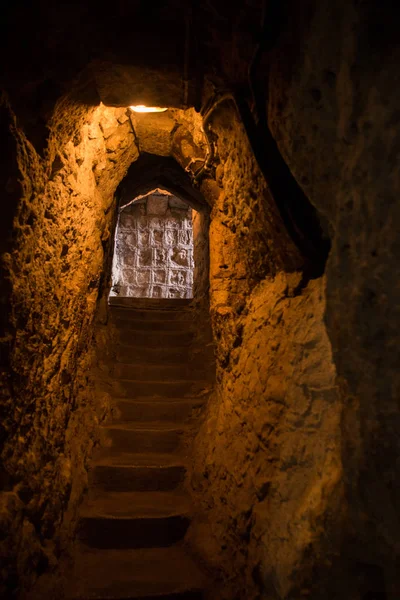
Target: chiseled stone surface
{"x": 267, "y": 470}
{"x": 267, "y": 474}
{"x": 324, "y": 521}
{"x": 335, "y": 106}
{"x": 154, "y": 249}
{"x": 50, "y": 406}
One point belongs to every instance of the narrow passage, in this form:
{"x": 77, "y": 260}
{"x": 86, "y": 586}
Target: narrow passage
{"x": 134, "y": 520}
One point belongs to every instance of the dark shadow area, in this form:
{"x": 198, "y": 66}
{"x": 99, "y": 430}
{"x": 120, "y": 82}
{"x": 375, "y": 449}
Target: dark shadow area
{"x": 151, "y": 171}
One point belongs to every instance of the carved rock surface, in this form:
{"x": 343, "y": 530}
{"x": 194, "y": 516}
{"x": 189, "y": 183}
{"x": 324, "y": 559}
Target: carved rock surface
{"x": 267, "y": 474}
{"x": 153, "y": 255}
{"x": 53, "y": 267}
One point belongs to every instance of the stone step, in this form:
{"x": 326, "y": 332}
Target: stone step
{"x": 158, "y": 436}
{"x": 145, "y": 574}
{"x": 131, "y": 472}
{"x": 167, "y": 389}
{"x": 134, "y": 519}
{"x": 153, "y": 354}
{"x": 143, "y": 409}
{"x": 148, "y": 325}
{"x": 135, "y": 337}
{"x": 137, "y": 314}
{"x": 150, "y": 303}
{"x": 158, "y": 371}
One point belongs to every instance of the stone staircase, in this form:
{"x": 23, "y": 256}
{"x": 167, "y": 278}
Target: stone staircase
{"x": 133, "y": 522}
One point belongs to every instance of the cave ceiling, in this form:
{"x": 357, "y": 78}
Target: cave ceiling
{"x": 126, "y": 53}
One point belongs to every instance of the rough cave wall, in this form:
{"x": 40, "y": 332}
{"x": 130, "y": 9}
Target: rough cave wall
{"x": 53, "y": 265}
{"x": 154, "y": 249}
{"x": 334, "y": 105}
{"x": 267, "y": 470}
{"x": 318, "y": 515}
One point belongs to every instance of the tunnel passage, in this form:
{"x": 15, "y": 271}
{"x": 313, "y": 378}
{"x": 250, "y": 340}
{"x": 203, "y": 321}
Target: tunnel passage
{"x": 295, "y": 464}
{"x": 153, "y": 252}
{"x": 245, "y": 263}
{"x": 137, "y": 511}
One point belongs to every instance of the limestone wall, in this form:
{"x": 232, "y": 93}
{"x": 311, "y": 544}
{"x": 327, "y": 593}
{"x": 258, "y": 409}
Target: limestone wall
{"x": 336, "y": 108}
{"x": 296, "y": 466}
{"x": 267, "y": 473}
{"x": 54, "y": 253}
{"x": 153, "y": 255}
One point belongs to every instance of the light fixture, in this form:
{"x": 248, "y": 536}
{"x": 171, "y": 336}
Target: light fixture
{"x": 147, "y": 109}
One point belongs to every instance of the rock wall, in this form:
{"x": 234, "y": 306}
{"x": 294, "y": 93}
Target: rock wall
{"x": 268, "y": 468}
{"x": 267, "y": 474}
{"x": 53, "y": 261}
{"x": 154, "y": 249}
{"x": 296, "y": 467}
{"x": 334, "y": 105}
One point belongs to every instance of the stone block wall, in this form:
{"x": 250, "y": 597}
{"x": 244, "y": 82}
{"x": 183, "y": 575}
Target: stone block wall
{"x": 154, "y": 249}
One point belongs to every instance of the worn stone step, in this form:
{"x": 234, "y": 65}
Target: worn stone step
{"x": 134, "y": 519}
{"x": 153, "y": 354}
{"x": 168, "y": 389}
{"x": 152, "y": 325}
{"x": 145, "y": 574}
{"x": 158, "y": 436}
{"x": 158, "y": 371}
{"x": 167, "y": 314}
{"x": 133, "y": 472}
{"x": 143, "y": 409}
{"x": 136, "y": 337}
{"x": 150, "y": 303}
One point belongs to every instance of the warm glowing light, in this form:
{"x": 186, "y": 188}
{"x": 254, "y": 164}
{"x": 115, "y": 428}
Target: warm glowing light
{"x": 147, "y": 109}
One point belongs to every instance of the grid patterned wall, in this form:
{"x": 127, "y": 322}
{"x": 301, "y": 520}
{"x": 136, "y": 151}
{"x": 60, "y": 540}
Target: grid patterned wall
{"x": 153, "y": 255}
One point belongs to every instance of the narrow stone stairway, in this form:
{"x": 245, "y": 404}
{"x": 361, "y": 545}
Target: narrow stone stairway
{"x": 133, "y": 522}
